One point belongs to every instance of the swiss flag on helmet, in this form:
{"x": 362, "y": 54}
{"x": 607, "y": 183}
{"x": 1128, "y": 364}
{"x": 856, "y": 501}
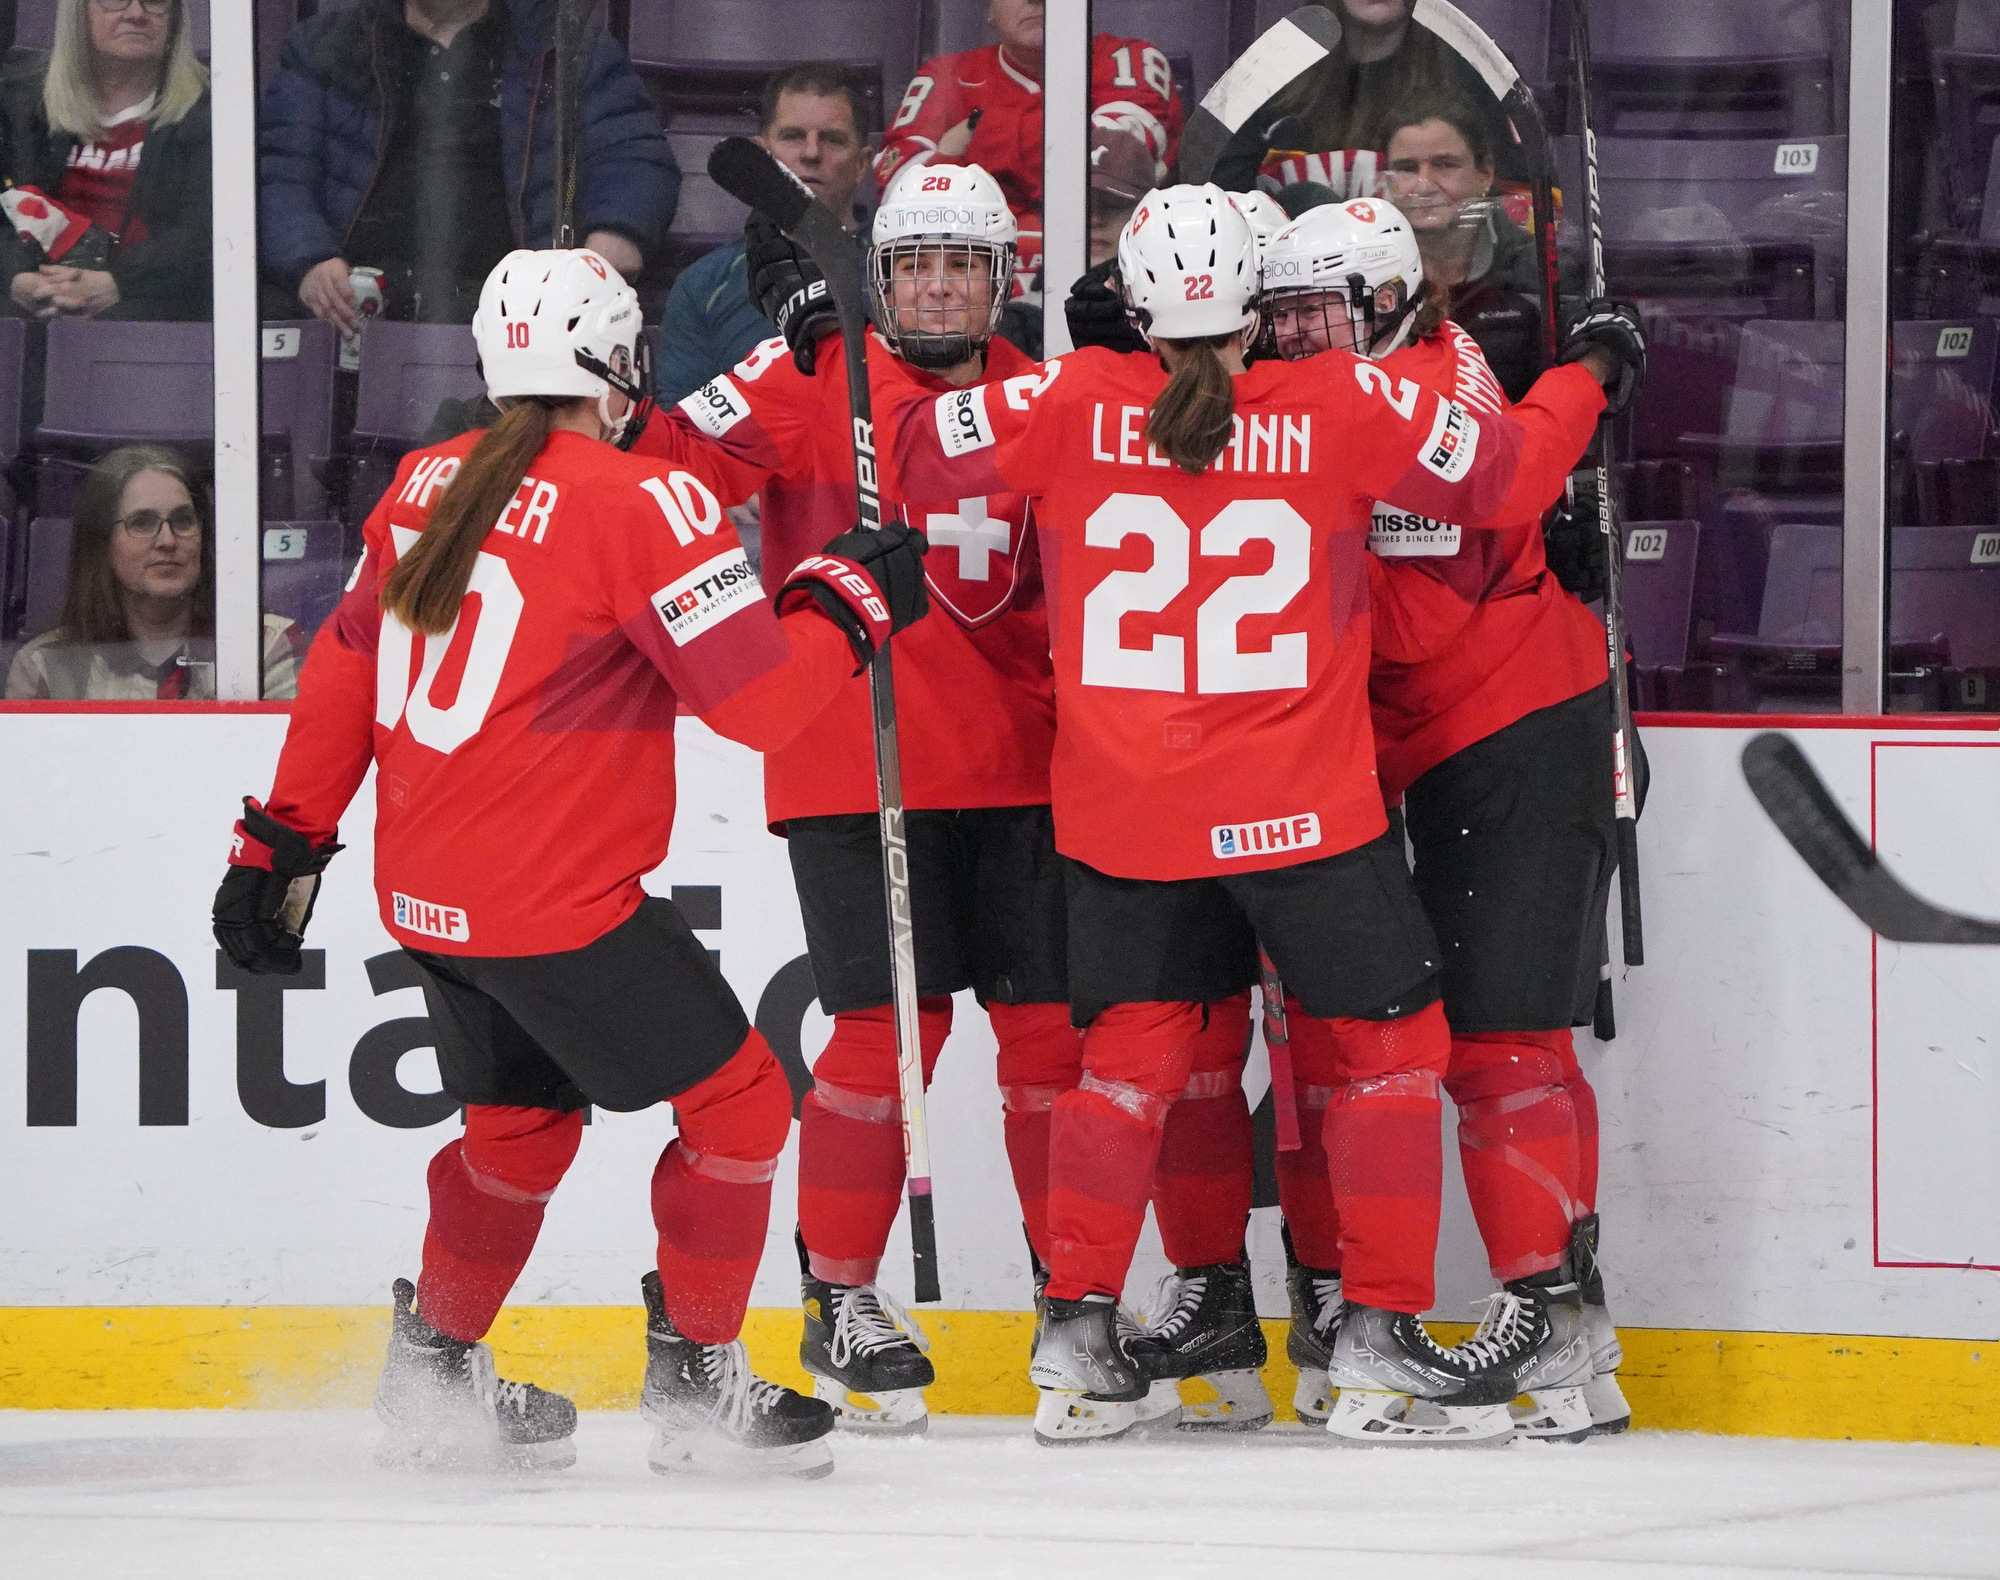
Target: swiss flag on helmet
{"x": 1362, "y": 210}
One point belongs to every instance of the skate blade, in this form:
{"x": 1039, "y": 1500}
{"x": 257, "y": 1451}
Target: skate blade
{"x": 1236, "y": 1402}
{"x": 1552, "y": 1415}
{"x": 1368, "y": 1415}
{"x": 1312, "y": 1400}
{"x": 1606, "y": 1401}
{"x": 1064, "y": 1418}
{"x": 898, "y": 1413}
{"x": 702, "y": 1453}
{"x": 469, "y": 1456}
{"x": 1161, "y": 1408}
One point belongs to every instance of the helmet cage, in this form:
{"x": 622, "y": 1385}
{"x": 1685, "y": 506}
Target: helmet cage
{"x": 1366, "y": 326}
{"x": 930, "y": 345}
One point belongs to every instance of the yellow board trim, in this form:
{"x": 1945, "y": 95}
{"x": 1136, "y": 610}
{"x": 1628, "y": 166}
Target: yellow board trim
{"x": 291, "y": 1357}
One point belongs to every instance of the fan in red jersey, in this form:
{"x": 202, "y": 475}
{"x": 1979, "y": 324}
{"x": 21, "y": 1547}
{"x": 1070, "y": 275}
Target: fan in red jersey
{"x": 984, "y": 106}
{"x": 1214, "y": 770}
{"x": 531, "y": 607}
{"x": 975, "y": 710}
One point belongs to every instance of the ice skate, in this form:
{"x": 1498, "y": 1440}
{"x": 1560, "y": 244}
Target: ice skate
{"x": 712, "y": 1413}
{"x": 1160, "y": 1410}
{"x": 1534, "y": 1330}
{"x": 1398, "y": 1385}
{"x": 1316, "y": 1313}
{"x": 1207, "y": 1332}
{"x": 447, "y": 1409}
{"x": 1091, "y": 1389}
{"x": 1608, "y": 1410}
{"x": 866, "y": 1356}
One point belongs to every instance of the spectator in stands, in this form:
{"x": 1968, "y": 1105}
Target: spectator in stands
{"x": 984, "y": 106}
{"x": 815, "y": 119}
{"x": 138, "y": 616}
{"x": 416, "y": 137}
{"x": 1440, "y": 173}
{"x": 1328, "y": 125}
{"x": 1122, "y": 171}
{"x": 121, "y": 80}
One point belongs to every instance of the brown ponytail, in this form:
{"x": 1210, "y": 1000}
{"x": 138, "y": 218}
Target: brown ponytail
{"x": 1195, "y": 416}
{"x": 427, "y": 586}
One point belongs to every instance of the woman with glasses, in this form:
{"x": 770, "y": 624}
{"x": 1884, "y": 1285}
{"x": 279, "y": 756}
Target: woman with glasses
{"x": 121, "y": 82}
{"x": 138, "y": 617}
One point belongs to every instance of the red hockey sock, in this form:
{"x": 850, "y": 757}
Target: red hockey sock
{"x": 1384, "y": 1156}
{"x": 1041, "y": 1057}
{"x": 489, "y": 1189}
{"x": 1105, "y": 1137}
{"x": 712, "y": 1190}
{"x": 1202, "y": 1182}
{"x": 1517, "y": 1141}
{"x": 851, "y": 1139}
{"x": 1305, "y": 1186}
{"x": 1583, "y": 1099}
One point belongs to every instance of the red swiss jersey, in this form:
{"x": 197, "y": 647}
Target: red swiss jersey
{"x": 1211, "y": 632}
{"x": 1472, "y": 631}
{"x": 975, "y": 692}
{"x": 1131, "y": 85}
{"x": 526, "y": 758}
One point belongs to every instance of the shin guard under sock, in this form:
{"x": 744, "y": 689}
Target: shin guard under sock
{"x": 1202, "y": 1181}
{"x": 1105, "y": 1138}
{"x": 488, "y": 1192}
{"x": 1517, "y": 1141}
{"x": 1041, "y": 1057}
{"x": 851, "y": 1139}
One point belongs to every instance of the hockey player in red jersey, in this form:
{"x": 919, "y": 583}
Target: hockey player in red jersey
{"x": 1180, "y": 659}
{"x": 1131, "y": 88}
{"x": 975, "y": 710}
{"x": 1490, "y": 704}
{"x": 531, "y": 607}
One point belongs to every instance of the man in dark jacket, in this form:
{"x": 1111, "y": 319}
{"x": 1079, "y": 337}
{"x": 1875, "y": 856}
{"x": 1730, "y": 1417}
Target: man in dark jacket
{"x": 418, "y": 137}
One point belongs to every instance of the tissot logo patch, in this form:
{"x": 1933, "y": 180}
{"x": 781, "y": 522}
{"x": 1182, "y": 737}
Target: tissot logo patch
{"x": 433, "y": 921}
{"x": 961, "y": 421}
{"x": 1299, "y": 832}
{"x": 716, "y": 407}
{"x": 1453, "y": 443}
{"x": 1403, "y": 534}
{"x": 712, "y": 591}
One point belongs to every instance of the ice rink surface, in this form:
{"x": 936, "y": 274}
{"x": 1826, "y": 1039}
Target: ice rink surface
{"x": 221, "y": 1494}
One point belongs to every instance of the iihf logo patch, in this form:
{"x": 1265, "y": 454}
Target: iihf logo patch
{"x": 1267, "y": 838}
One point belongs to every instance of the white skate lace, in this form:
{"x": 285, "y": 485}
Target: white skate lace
{"x": 1172, "y": 1306}
{"x": 740, "y": 1392}
{"x": 1504, "y": 1332}
{"x": 872, "y": 1319}
{"x": 1327, "y": 1297}
{"x": 512, "y": 1396}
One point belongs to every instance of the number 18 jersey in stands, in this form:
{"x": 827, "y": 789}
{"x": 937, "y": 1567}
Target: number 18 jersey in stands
{"x": 1211, "y": 632}
{"x": 526, "y": 757}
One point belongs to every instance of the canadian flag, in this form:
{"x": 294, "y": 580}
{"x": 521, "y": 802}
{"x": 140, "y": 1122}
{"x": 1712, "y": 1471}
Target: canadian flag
{"x": 39, "y": 218}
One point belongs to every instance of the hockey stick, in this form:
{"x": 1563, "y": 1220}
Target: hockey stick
{"x": 1283, "y": 52}
{"x": 1624, "y": 793}
{"x": 573, "y": 19}
{"x": 1811, "y": 820}
{"x": 1278, "y": 1045}
{"x": 749, "y": 173}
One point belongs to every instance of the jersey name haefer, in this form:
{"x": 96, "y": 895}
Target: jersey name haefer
{"x": 527, "y": 513}
{"x": 1273, "y": 444}
{"x": 1268, "y": 838}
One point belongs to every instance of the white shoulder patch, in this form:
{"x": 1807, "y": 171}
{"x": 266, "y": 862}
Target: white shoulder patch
{"x": 716, "y": 407}
{"x": 1453, "y": 443}
{"x": 711, "y": 592}
{"x": 962, "y": 423}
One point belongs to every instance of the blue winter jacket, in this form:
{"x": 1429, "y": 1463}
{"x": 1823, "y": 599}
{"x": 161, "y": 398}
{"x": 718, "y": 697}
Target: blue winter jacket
{"x": 710, "y": 323}
{"x": 321, "y": 137}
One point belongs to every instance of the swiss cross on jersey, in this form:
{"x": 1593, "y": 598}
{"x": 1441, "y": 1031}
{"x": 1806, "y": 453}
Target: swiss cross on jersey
{"x": 975, "y": 560}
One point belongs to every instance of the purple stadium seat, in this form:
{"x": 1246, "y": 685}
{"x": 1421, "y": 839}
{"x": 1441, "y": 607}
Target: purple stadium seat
{"x": 407, "y": 371}
{"x": 1968, "y": 90}
{"x": 1941, "y": 392}
{"x": 304, "y": 570}
{"x": 707, "y": 216}
{"x": 715, "y": 54}
{"x": 47, "y": 571}
{"x": 1659, "y": 588}
{"x": 950, "y": 26}
{"x": 1717, "y": 68}
{"x": 298, "y": 382}
{"x": 113, "y": 383}
{"x": 1945, "y": 582}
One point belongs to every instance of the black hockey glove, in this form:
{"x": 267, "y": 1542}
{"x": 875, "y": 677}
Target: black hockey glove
{"x": 1095, "y": 310}
{"x": 789, "y": 289}
{"x": 264, "y": 903}
{"x": 1573, "y": 539}
{"x": 1614, "y": 327}
{"x": 869, "y": 583}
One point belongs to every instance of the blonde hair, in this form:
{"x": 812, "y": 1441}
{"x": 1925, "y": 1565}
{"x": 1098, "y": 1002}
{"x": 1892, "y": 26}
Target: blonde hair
{"x": 69, "y": 94}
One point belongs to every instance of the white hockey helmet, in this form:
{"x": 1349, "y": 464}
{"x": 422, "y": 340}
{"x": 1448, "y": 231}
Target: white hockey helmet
{"x": 944, "y": 220}
{"x": 1358, "y": 257}
{"x": 560, "y": 322}
{"x": 1188, "y": 263}
{"x": 1266, "y": 214}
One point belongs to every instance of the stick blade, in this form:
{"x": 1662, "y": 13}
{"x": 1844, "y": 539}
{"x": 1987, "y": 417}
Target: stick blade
{"x": 1804, "y": 810}
{"x": 750, "y": 174}
{"x": 1277, "y": 57}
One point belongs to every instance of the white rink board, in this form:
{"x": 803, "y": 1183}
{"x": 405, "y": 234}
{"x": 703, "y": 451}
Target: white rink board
{"x": 1740, "y": 1155}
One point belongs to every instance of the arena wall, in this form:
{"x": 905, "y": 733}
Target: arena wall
{"x": 212, "y": 1182}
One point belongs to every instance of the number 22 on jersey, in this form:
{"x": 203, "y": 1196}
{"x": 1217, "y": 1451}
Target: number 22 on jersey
{"x": 1220, "y": 664}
